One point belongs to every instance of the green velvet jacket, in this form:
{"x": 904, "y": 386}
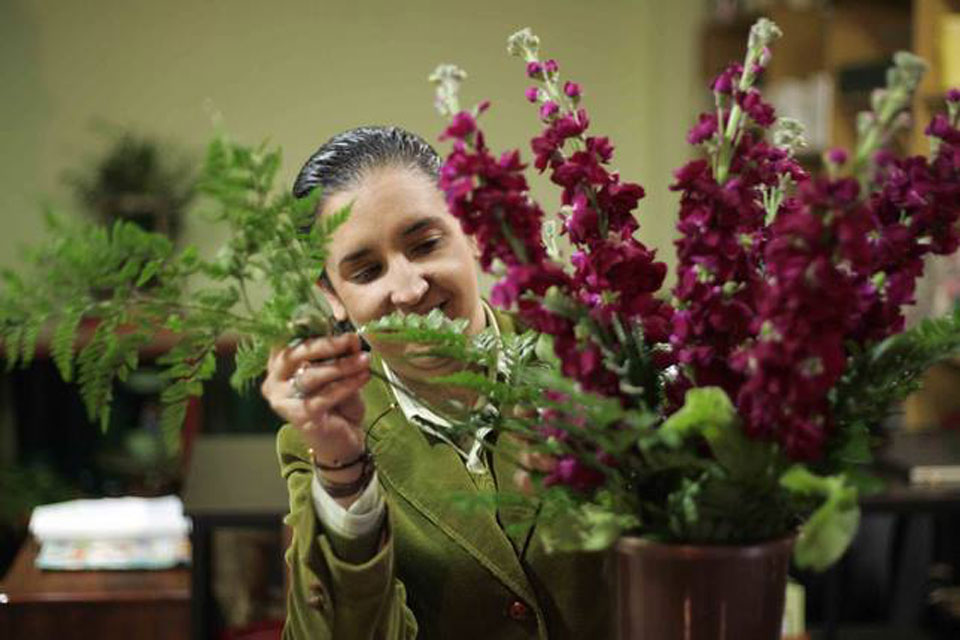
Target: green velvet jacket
{"x": 439, "y": 571}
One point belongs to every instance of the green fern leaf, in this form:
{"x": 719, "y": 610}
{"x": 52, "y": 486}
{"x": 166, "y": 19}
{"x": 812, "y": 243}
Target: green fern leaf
{"x": 62, "y": 342}
{"x": 250, "y": 363}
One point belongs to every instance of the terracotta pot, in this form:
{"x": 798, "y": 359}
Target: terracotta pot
{"x": 701, "y": 592}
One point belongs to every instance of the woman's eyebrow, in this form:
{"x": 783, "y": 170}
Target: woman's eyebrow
{"x": 356, "y": 256}
{"x": 419, "y": 225}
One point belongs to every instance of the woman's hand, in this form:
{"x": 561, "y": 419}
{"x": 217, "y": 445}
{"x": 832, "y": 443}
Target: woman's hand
{"x": 315, "y": 386}
{"x": 529, "y": 461}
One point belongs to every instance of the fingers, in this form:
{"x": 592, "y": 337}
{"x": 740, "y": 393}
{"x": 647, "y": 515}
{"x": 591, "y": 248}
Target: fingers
{"x": 313, "y": 378}
{"x": 542, "y": 462}
{"x": 285, "y": 362}
{"x": 523, "y": 482}
{"x": 315, "y": 407}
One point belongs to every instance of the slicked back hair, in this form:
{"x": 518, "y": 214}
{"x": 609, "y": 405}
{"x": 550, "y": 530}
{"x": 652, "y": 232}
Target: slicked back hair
{"x": 345, "y": 158}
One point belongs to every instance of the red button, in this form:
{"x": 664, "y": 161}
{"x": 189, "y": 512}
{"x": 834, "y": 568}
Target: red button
{"x": 518, "y": 610}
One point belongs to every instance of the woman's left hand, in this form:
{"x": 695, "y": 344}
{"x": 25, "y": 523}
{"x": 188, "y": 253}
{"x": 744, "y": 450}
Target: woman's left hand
{"x": 530, "y": 461}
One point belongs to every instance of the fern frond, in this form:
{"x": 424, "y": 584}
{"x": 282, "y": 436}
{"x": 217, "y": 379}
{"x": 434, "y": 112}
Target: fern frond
{"x": 250, "y": 363}
{"x": 12, "y": 341}
{"x": 891, "y": 370}
{"x": 64, "y": 336}
{"x": 28, "y": 343}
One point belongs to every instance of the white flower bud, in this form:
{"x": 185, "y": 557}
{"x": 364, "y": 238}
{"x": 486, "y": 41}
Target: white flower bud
{"x": 762, "y": 33}
{"x": 447, "y": 78}
{"x": 788, "y": 135}
{"x": 911, "y": 68}
{"x": 523, "y": 43}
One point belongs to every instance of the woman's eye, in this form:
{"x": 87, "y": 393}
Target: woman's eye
{"x": 365, "y": 275}
{"x": 425, "y": 247}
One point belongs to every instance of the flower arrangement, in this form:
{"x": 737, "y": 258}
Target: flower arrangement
{"x": 740, "y": 410}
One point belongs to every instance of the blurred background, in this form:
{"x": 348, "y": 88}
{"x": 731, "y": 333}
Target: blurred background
{"x": 107, "y": 106}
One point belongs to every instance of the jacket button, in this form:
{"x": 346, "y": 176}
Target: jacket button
{"x": 518, "y": 610}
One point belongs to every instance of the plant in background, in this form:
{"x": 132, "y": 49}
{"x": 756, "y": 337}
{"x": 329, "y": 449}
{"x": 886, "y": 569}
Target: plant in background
{"x": 138, "y": 179}
{"x": 740, "y": 411}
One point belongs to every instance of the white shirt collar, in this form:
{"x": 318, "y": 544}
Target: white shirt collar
{"x": 428, "y": 421}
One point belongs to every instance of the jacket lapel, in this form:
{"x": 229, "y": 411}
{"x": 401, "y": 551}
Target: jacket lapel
{"x": 429, "y": 475}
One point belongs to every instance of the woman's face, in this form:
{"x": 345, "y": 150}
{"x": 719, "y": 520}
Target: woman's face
{"x": 401, "y": 250}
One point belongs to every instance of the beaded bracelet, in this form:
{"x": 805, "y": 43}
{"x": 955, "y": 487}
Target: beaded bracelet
{"x": 344, "y": 489}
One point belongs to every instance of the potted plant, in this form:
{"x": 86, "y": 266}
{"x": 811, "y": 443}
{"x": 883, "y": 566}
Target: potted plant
{"x": 137, "y": 179}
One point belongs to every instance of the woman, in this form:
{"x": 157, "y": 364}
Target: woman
{"x": 380, "y": 548}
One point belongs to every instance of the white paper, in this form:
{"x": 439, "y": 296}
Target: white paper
{"x": 110, "y": 519}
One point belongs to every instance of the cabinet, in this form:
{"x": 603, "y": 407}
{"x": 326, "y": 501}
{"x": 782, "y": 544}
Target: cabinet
{"x": 848, "y": 44}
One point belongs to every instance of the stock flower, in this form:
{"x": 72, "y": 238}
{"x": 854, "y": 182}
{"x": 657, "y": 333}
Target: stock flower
{"x": 759, "y": 111}
{"x": 548, "y": 109}
{"x": 940, "y": 127}
{"x": 462, "y": 125}
{"x": 490, "y": 197}
{"x": 705, "y": 129}
{"x": 837, "y": 156}
{"x": 727, "y": 79}
{"x": 570, "y": 471}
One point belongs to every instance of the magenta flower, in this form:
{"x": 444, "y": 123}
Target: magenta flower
{"x": 570, "y": 471}
{"x": 705, "y": 129}
{"x": 837, "y": 156}
{"x": 571, "y": 89}
{"x": 548, "y": 110}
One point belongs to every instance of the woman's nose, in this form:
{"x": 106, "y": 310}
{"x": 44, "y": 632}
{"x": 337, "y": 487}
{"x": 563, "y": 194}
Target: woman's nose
{"x": 407, "y": 287}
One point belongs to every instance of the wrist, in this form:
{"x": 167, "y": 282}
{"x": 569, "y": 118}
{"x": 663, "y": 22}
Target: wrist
{"x": 344, "y": 481}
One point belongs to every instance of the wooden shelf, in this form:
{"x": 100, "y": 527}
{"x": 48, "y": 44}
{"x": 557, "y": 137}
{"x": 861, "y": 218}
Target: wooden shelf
{"x": 854, "y": 41}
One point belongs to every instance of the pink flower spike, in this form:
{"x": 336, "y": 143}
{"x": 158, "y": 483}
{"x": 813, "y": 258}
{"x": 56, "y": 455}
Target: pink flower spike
{"x": 532, "y": 93}
{"x": 535, "y": 70}
{"x": 483, "y": 106}
{"x": 551, "y": 66}
{"x": 548, "y": 110}
{"x": 461, "y": 126}
{"x": 953, "y": 95}
{"x": 571, "y": 89}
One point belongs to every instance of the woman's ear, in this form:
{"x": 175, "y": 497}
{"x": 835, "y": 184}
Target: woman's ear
{"x": 336, "y": 305}
{"x": 474, "y": 247}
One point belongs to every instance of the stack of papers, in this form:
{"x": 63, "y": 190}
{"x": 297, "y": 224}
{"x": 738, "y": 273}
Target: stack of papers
{"x": 112, "y": 533}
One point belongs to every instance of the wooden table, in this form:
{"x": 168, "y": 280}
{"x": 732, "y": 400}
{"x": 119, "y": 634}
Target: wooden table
{"x": 147, "y": 605}
{"x": 232, "y": 481}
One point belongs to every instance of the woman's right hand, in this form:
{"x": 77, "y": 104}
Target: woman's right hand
{"x": 315, "y": 386}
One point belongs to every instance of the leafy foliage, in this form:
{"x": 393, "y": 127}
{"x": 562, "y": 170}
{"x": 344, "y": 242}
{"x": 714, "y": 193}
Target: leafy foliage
{"x": 98, "y": 295}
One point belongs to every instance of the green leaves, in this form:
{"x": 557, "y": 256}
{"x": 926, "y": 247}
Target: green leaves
{"x": 828, "y": 531}
{"x": 129, "y": 285}
{"x": 568, "y": 525}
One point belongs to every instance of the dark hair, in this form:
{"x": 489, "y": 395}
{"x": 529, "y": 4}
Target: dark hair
{"x": 343, "y": 159}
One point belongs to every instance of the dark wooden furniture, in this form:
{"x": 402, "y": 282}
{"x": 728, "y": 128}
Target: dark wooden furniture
{"x": 68, "y": 605}
{"x": 915, "y": 509}
{"x": 232, "y": 481}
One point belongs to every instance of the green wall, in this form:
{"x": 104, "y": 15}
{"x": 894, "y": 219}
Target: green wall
{"x": 298, "y": 71}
